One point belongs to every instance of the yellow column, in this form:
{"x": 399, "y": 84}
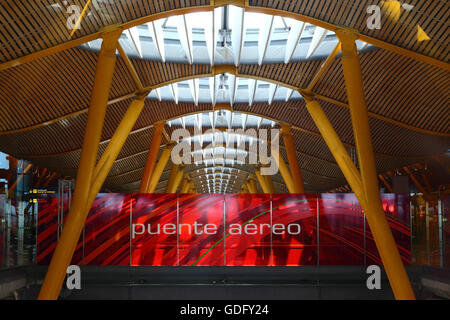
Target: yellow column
{"x": 252, "y": 185}
{"x": 270, "y": 184}
{"x": 77, "y": 215}
{"x": 335, "y": 145}
{"x": 284, "y": 170}
{"x": 173, "y": 174}
{"x": 376, "y": 218}
{"x": 115, "y": 145}
{"x": 152, "y": 155}
{"x": 262, "y": 181}
{"x": 416, "y": 182}
{"x": 292, "y": 158}
{"x": 177, "y": 180}
{"x": 386, "y": 184}
{"x": 245, "y": 188}
{"x": 159, "y": 168}
{"x": 185, "y": 184}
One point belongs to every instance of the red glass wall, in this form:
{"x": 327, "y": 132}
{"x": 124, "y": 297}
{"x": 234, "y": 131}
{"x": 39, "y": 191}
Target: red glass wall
{"x": 231, "y": 230}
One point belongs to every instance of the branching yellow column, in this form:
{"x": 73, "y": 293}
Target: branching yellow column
{"x": 177, "y": 180}
{"x": 115, "y": 145}
{"x": 262, "y": 181}
{"x": 252, "y": 185}
{"x": 152, "y": 155}
{"x": 284, "y": 170}
{"x": 270, "y": 184}
{"x": 336, "y": 147}
{"x": 292, "y": 158}
{"x": 173, "y": 174}
{"x": 375, "y": 215}
{"x": 77, "y": 215}
{"x": 159, "y": 168}
{"x": 185, "y": 184}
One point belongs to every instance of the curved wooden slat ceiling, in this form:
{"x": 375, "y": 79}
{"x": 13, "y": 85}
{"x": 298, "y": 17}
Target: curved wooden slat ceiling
{"x": 45, "y": 100}
{"x": 31, "y": 27}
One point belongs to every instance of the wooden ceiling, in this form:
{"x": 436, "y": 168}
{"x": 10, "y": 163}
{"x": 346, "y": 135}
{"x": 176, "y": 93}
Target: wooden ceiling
{"x": 43, "y": 102}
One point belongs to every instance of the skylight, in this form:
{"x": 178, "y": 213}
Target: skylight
{"x": 227, "y": 35}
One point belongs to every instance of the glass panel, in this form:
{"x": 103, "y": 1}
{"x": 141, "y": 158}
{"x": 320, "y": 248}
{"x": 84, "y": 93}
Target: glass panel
{"x": 3, "y": 225}
{"x": 248, "y": 239}
{"x": 341, "y": 230}
{"x": 445, "y": 207}
{"x": 154, "y": 236}
{"x": 107, "y": 231}
{"x": 397, "y": 210}
{"x": 294, "y": 235}
{"x": 201, "y": 229}
{"x": 47, "y": 228}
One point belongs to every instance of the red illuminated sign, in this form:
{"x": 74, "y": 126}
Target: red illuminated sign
{"x": 230, "y": 230}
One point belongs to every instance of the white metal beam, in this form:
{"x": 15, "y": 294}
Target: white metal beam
{"x": 272, "y": 91}
{"x": 174, "y": 90}
{"x": 318, "y": 37}
{"x": 289, "y": 93}
{"x": 232, "y": 85}
{"x": 264, "y": 36}
{"x": 237, "y": 32}
{"x": 194, "y": 86}
{"x": 293, "y": 38}
{"x": 157, "y": 34}
{"x": 158, "y": 94}
{"x": 252, "y": 85}
{"x": 213, "y": 89}
{"x": 210, "y": 35}
{"x": 185, "y": 34}
{"x": 133, "y": 35}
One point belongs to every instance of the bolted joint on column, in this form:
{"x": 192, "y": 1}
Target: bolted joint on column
{"x": 226, "y": 68}
{"x": 307, "y": 95}
{"x": 110, "y": 36}
{"x": 348, "y": 38}
{"x": 286, "y": 129}
{"x": 237, "y": 3}
{"x": 141, "y": 95}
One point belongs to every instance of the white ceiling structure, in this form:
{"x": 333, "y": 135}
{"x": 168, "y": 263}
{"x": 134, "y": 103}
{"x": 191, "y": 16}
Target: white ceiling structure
{"x": 220, "y": 153}
{"x": 224, "y": 89}
{"x": 228, "y": 35}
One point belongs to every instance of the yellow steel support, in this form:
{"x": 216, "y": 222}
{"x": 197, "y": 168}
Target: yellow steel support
{"x": 184, "y": 184}
{"x": 152, "y": 155}
{"x": 324, "y": 67}
{"x": 292, "y": 158}
{"x": 262, "y": 181}
{"x": 348, "y": 168}
{"x": 52, "y": 176}
{"x": 252, "y": 187}
{"x": 114, "y": 147}
{"x": 159, "y": 168}
{"x": 19, "y": 178}
{"x": 270, "y": 184}
{"x": 245, "y": 188}
{"x": 416, "y": 182}
{"x": 376, "y": 218}
{"x": 77, "y": 215}
{"x": 386, "y": 184}
{"x": 190, "y": 188}
{"x": 284, "y": 170}
{"x": 130, "y": 68}
{"x": 173, "y": 174}
{"x": 335, "y": 145}
{"x": 177, "y": 179}
{"x": 41, "y": 177}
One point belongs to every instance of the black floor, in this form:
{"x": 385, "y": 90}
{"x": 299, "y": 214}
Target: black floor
{"x": 225, "y": 283}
